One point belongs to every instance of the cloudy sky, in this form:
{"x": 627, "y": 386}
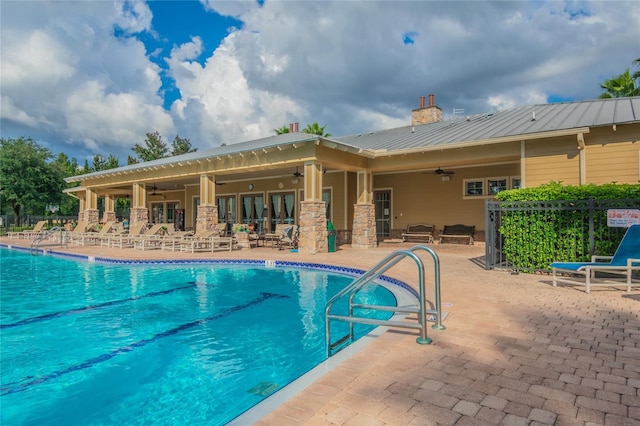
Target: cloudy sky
{"x": 93, "y": 77}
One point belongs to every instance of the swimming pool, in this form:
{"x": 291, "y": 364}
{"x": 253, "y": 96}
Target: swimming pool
{"x": 99, "y": 343}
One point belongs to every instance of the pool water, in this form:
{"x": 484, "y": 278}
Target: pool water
{"x": 86, "y": 343}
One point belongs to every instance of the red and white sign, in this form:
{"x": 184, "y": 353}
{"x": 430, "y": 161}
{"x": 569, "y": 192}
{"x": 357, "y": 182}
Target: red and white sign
{"x": 623, "y": 218}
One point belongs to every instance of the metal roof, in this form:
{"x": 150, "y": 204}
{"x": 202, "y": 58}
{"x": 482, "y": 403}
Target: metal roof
{"x": 499, "y": 126}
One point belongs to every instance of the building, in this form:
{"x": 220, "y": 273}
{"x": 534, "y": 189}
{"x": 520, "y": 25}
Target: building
{"x": 372, "y": 185}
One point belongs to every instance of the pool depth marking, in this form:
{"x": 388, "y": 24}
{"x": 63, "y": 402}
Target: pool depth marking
{"x": 98, "y": 306}
{"x": 6, "y": 390}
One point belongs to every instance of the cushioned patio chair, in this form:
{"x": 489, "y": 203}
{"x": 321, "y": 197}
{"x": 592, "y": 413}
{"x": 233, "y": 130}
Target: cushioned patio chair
{"x": 289, "y": 237}
{"x": 617, "y": 272}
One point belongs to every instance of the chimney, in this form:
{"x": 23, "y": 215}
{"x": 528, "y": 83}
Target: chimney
{"x": 296, "y": 127}
{"x": 290, "y": 127}
{"x": 426, "y": 115}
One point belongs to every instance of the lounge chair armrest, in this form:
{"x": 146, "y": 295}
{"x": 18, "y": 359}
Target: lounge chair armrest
{"x": 633, "y": 262}
{"x": 600, "y": 258}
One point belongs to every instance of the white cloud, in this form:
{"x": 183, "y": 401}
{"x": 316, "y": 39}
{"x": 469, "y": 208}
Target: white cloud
{"x": 68, "y": 78}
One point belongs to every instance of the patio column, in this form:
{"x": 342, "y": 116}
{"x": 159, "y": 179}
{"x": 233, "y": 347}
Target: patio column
{"x": 109, "y": 209}
{"x": 81, "y": 207}
{"x": 313, "y": 217}
{"x": 207, "y": 217}
{"x": 364, "y": 214}
{"x": 91, "y": 214}
{"x": 139, "y": 211}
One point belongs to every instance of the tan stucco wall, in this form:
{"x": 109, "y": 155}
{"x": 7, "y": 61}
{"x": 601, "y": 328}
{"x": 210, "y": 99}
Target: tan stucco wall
{"x": 426, "y": 198}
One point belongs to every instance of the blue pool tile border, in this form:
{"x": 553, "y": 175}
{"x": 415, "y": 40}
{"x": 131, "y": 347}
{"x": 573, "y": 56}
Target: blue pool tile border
{"x": 254, "y": 262}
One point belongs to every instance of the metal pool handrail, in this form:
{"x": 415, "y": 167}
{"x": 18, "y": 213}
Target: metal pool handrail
{"x": 372, "y": 274}
{"x": 64, "y": 239}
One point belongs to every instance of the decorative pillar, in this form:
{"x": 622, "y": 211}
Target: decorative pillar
{"x": 91, "y": 213}
{"x": 109, "y": 213}
{"x": 207, "y": 217}
{"x": 139, "y": 212}
{"x": 364, "y": 214}
{"x": 81, "y": 208}
{"x": 312, "y": 237}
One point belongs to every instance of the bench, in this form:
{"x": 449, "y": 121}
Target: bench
{"x": 457, "y": 232}
{"x": 418, "y": 233}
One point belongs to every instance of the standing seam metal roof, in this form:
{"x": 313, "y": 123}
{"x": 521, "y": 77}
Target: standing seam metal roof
{"x": 480, "y": 127}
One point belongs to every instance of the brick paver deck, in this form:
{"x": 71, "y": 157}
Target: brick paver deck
{"x": 516, "y": 351}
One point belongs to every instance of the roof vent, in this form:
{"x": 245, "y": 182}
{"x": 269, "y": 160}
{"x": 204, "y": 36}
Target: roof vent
{"x": 533, "y": 116}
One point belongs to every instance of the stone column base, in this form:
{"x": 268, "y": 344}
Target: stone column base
{"x": 138, "y": 214}
{"x": 313, "y": 228}
{"x": 207, "y": 218}
{"x": 92, "y": 215}
{"x": 108, "y": 217}
{"x": 364, "y": 226}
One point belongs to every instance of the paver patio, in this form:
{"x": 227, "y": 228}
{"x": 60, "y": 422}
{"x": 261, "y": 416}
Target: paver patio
{"x": 516, "y": 350}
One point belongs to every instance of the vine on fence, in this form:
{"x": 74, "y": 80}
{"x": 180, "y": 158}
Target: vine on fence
{"x": 551, "y": 223}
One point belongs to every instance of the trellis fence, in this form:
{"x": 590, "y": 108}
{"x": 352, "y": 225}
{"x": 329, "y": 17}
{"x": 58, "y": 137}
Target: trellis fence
{"x": 529, "y": 235}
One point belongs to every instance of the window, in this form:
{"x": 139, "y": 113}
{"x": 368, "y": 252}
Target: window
{"x": 495, "y": 185}
{"x": 473, "y": 187}
{"x": 516, "y": 182}
{"x": 489, "y": 187}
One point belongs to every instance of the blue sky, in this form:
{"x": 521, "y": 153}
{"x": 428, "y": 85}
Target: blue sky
{"x": 89, "y": 77}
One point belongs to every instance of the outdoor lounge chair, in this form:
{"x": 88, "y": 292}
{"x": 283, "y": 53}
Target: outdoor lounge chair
{"x": 124, "y": 240}
{"x": 28, "y": 233}
{"x": 92, "y": 238}
{"x": 617, "y": 272}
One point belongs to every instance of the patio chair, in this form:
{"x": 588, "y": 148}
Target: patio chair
{"x": 617, "y": 272}
{"x": 92, "y": 238}
{"x": 289, "y": 237}
{"x": 152, "y": 238}
{"x": 124, "y": 240}
{"x": 28, "y": 233}
{"x": 271, "y": 238}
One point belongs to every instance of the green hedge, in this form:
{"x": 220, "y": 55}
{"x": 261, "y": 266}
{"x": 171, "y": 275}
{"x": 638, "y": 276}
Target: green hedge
{"x": 551, "y": 222}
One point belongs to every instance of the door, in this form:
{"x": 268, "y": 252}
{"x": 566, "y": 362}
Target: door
{"x": 382, "y": 201}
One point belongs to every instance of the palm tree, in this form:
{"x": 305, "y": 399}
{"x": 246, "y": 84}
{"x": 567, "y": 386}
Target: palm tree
{"x": 636, "y": 75}
{"x": 315, "y": 129}
{"x": 621, "y": 86}
{"x": 282, "y": 130}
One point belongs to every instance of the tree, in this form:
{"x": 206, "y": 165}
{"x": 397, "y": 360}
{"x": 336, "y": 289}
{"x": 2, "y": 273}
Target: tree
{"x": 315, "y": 129}
{"x": 67, "y": 167}
{"x": 636, "y": 75}
{"x": 620, "y": 86}
{"x": 27, "y": 180}
{"x": 99, "y": 162}
{"x": 181, "y": 146}
{"x": 282, "y": 130}
{"x": 155, "y": 148}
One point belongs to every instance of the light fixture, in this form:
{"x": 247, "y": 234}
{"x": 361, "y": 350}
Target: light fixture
{"x": 446, "y": 178}
{"x": 294, "y": 181}
{"x": 250, "y": 187}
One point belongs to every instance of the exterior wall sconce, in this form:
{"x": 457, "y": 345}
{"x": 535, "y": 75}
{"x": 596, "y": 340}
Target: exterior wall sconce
{"x": 446, "y": 178}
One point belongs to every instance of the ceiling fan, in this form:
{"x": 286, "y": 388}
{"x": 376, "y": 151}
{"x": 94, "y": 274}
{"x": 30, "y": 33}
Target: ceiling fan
{"x": 155, "y": 189}
{"x": 297, "y": 174}
{"x": 439, "y": 171}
